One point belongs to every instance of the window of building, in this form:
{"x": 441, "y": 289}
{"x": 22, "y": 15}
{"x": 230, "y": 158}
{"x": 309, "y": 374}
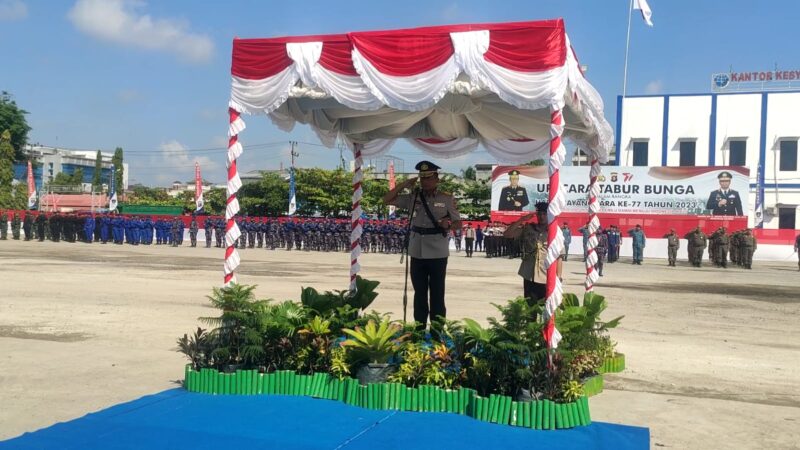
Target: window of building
{"x": 738, "y": 153}
{"x": 786, "y": 217}
{"x": 687, "y": 149}
{"x": 788, "y": 155}
{"x": 640, "y": 150}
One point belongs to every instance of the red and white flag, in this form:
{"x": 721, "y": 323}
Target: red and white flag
{"x": 391, "y": 185}
{"x": 647, "y": 13}
{"x": 198, "y": 188}
{"x": 31, "y": 188}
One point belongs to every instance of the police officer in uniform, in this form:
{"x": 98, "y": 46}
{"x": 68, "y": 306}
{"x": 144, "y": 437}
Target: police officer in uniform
{"x": 435, "y": 214}
{"x": 513, "y": 197}
{"x": 724, "y": 201}
{"x": 193, "y": 231}
{"x": 673, "y": 244}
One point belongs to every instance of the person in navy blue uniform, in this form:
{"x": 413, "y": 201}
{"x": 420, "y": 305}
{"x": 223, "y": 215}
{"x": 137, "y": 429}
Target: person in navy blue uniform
{"x": 724, "y": 201}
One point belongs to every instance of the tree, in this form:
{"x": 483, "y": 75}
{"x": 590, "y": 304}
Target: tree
{"x": 476, "y": 199}
{"x": 116, "y": 160}
{"x": 97, "y": 179}
{"x": 373, "y": 192}
{"x": 215, "y": 201}
{"x": 327, "y": 192}
{"x": 469, "y": 173}
{"x": 12, "y": 118}
{"x": 6, "y": 169}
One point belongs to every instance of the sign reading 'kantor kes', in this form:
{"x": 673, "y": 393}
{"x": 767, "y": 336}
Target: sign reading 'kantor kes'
{"x": 632, "y": 190}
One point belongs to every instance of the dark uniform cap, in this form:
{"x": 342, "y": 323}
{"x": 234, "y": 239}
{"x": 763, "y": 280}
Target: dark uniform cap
{"x": 514, "y": 172}
{"x": 541, "y": 206}
{"x": 426, "y": 168}
{"x": 725, "y": 175}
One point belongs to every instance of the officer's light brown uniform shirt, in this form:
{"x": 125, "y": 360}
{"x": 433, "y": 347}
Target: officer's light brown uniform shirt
{"x": 429, "y": 246}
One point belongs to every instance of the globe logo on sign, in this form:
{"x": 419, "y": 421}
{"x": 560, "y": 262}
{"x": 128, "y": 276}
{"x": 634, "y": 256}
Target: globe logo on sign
{"x": 722, "y": 80}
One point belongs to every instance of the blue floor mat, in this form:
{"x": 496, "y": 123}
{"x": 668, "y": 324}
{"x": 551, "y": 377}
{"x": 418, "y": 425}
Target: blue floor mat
{"x": 178, "y": 419}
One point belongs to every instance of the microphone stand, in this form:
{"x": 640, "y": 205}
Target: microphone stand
{"x": 405, "y": 248}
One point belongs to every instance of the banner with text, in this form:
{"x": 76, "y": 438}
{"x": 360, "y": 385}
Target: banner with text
{"x": 717, "y": 190}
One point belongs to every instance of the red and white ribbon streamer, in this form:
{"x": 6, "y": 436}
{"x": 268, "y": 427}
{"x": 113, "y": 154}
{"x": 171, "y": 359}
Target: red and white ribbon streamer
{"x": 555, "y": 239}
{"x": 232, "y": 232}
{"x": 594, "y": 224}
{"x": 355, "y": 222}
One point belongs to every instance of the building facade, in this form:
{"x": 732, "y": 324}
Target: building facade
{"x": 759, "y": 130}
{"x": 50, "y": 161}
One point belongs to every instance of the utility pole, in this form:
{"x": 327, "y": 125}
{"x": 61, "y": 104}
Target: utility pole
{"x": 293, "y": 153}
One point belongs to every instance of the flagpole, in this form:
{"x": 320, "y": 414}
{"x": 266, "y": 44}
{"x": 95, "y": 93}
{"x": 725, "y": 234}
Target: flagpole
{"x": 627, "y": 47}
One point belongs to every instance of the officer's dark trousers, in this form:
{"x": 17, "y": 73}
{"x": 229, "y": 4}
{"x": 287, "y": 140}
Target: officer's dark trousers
{"x": 469, "y": 243}
{"x": 428, "y": 275}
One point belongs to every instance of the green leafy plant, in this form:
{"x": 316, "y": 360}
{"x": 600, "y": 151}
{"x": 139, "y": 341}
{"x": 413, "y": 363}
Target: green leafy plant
{"x": 375, "y": 343}
{"x": 197, "y": 348}
{"x": 339, "y": 365}
{"x": 328, "y": 302}
{"x": 315, "y": 342}
{"x": 238, "y": 323}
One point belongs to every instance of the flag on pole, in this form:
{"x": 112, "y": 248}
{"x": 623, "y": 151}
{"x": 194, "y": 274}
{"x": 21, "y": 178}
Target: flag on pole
{"x": 758, "y": 221}
{"x": 112, "y": 195}
{"x": 292, "y": 196}
{"x": 391, "y": 186}
{"x": 647, "y": 13}
{"x": 198, "y": 188}
{"x": 31, "y": 188}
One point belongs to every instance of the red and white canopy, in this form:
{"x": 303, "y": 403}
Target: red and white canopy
{"x": 515, "y": 88}
{"x": 492, "y": 84}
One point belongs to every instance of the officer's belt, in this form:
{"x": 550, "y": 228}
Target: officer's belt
{"x": 421, "y": 230}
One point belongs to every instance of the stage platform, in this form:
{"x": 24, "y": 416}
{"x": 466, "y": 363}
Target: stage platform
{"x": 178, "y": 419}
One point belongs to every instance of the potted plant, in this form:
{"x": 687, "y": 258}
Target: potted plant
{"x": 373, "y": 346}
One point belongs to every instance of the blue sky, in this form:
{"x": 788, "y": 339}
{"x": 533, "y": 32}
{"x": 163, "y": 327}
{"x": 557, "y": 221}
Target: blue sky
{"x": 153, "y": 77}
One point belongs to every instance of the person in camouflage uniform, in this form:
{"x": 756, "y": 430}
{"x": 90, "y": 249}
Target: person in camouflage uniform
{"x": 673, "y": 244}
{"x": 697, "y": 242}
{"x": 3, "y": 225}
{"x": 193, "y": 231}
{"x": 721, "y": 247}
{"x": 15, "y": 224}
{"x": 748, "y": 246}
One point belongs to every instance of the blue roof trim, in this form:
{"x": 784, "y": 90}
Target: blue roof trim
{"x": 619, "y": 130}
{"x": 762, "y": 143}
{"x": 705, "y": 94}
{"x": 778, "y": 185}
{"x": 712, "y": 132}
{"x": 665, "y": 132}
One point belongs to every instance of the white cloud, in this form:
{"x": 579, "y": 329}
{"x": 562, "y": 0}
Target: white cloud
{"x": 219, "y": 141}
{"x": 654, "y": 87}
{"x": 177, "y": 163}
{"x": 451, "y": 13}
{"x": 122, "y": 22}
{"x": 12, "y": 10}
{"x": 128, "y": 95}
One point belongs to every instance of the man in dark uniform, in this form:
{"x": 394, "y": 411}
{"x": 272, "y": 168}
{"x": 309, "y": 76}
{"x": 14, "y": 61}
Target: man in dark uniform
{"x": 27, "y": 226}
{"x": 724, "y": 201}
{"x": 797, "y": 250}
{"x": 40, "y": 222}
{"x": 748, "y": 246}
{"x": 434, "y": 214}
{"x": 3, "y": 225}
{"x": 207, "y": 227}
{"x": 513, "y": 197}
{"x": 15, "y": 224}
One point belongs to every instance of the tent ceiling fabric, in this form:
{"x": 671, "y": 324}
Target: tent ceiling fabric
{"x": 467, "y": 85}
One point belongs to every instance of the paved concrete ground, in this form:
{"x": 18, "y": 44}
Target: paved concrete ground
{"x": 712, "y": 353}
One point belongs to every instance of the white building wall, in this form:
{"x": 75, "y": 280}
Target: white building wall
{"x": 642, "y": 119}
{"x": 738, "y": 116}
{"x": 783, "y": 122}
{"x": 689, "y": 121}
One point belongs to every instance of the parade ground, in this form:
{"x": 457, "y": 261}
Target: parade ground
{"x": 711, "y": 353}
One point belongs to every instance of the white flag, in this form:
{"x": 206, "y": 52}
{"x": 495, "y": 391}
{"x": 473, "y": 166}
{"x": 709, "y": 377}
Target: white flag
{"x": 647, "y": 13}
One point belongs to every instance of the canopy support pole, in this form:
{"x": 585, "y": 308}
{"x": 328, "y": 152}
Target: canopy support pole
{"x": 355, "y": 222}
{"x": 593, "y": 225}
{"x": 232, "y": 232}
{"x": 555, "y": 239}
